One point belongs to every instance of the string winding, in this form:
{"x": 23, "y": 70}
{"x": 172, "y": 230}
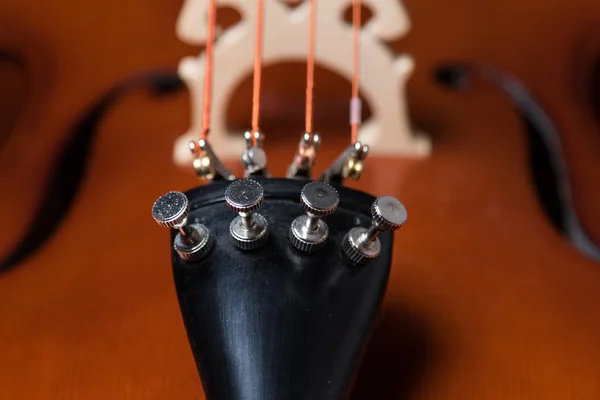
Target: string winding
{"x": 257, "y": 67}
{"x": 355, "y": 103}
{"x": 310, "y": 67}
{"x": 208, "y": 74}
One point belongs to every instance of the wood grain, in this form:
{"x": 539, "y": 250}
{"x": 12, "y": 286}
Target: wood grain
{"x": 501, "y": 305}
{"x": 486, "y": 299}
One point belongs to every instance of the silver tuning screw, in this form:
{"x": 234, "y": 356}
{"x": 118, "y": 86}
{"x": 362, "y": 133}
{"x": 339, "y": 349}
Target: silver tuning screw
{"x": 362, "y": 245}
{"x": 193, "y": 242}
{"x": 248, "y": 229}
{"x": 254, "y": 158}
{"x": 309, "y": 232}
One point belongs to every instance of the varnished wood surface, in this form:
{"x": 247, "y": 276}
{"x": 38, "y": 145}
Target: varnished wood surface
{"x": 486, "y": 299}
{"x": 74, "y": 52}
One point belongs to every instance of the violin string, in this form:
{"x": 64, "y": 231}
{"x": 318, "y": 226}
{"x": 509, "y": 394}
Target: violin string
{"x": 257, "y": 67}
{"x": 310, "y": 67}
{"x": 208, "y": 75}
{"x": 355, "y": 103}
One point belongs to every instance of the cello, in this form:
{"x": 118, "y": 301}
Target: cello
{"x": 513, "y": 316}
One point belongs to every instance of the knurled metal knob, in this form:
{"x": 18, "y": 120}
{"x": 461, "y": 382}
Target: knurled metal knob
{"x": 309, "y": 232}
{"x": 248, "y": 229}
{"x": 319, "y": 199}
{"x": 193, "y": 242}
{"x": 362, "y": 245}
{"x": 388, "y": 213}
{"x": 171, "y": 210}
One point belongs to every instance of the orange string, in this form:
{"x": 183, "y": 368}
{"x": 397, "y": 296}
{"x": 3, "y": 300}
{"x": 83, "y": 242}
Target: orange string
{"x": 356, "y": 8}
{"x": 257, "y": 67}
{"x": 208, "y": 74}
{"x": 310, "y": 67}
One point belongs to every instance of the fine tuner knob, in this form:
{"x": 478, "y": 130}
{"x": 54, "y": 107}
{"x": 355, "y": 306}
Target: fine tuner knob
{"x": 309, "y": 232}
{"x": 248, "y": 229}
{"x": 362, "y": 245}
{"x": 193, "y": 242}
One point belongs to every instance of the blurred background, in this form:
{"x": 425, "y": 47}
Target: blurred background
{"x": 90, "y": 105}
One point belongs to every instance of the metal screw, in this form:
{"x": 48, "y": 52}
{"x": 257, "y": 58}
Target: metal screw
{"x": 254, "y": 158}
{"x": 362, "y": 245}
{"x": 305, "y": 156}
{"x": 206, "y": 163}
{"x": 193, "y": 242}
{"x": 248, "y": 229}
{"x": 349, "y": 164}
{"x": 309, "y": 232}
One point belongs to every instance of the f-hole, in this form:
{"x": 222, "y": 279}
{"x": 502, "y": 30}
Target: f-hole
{"x": 594, "y": 88}
{"x": 547, "y": 164}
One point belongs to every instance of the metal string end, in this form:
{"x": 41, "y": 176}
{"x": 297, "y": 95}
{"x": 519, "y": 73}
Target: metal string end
{"x": 305, "y": 156}
{"x": 206, "y": 163}
{"x": 254, "y": 158}
{"x": 349, "y": 164}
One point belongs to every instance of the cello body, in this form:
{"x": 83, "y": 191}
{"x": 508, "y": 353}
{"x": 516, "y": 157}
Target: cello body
{"x": 485, "y": 298}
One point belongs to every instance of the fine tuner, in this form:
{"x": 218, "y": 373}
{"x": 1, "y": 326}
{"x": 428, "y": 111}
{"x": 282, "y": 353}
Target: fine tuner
{"x": 249, "y": 230}
{"x": 309, "y": 232}
{"x": 279, "y": 280}
{"x": 193, "y": 241}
